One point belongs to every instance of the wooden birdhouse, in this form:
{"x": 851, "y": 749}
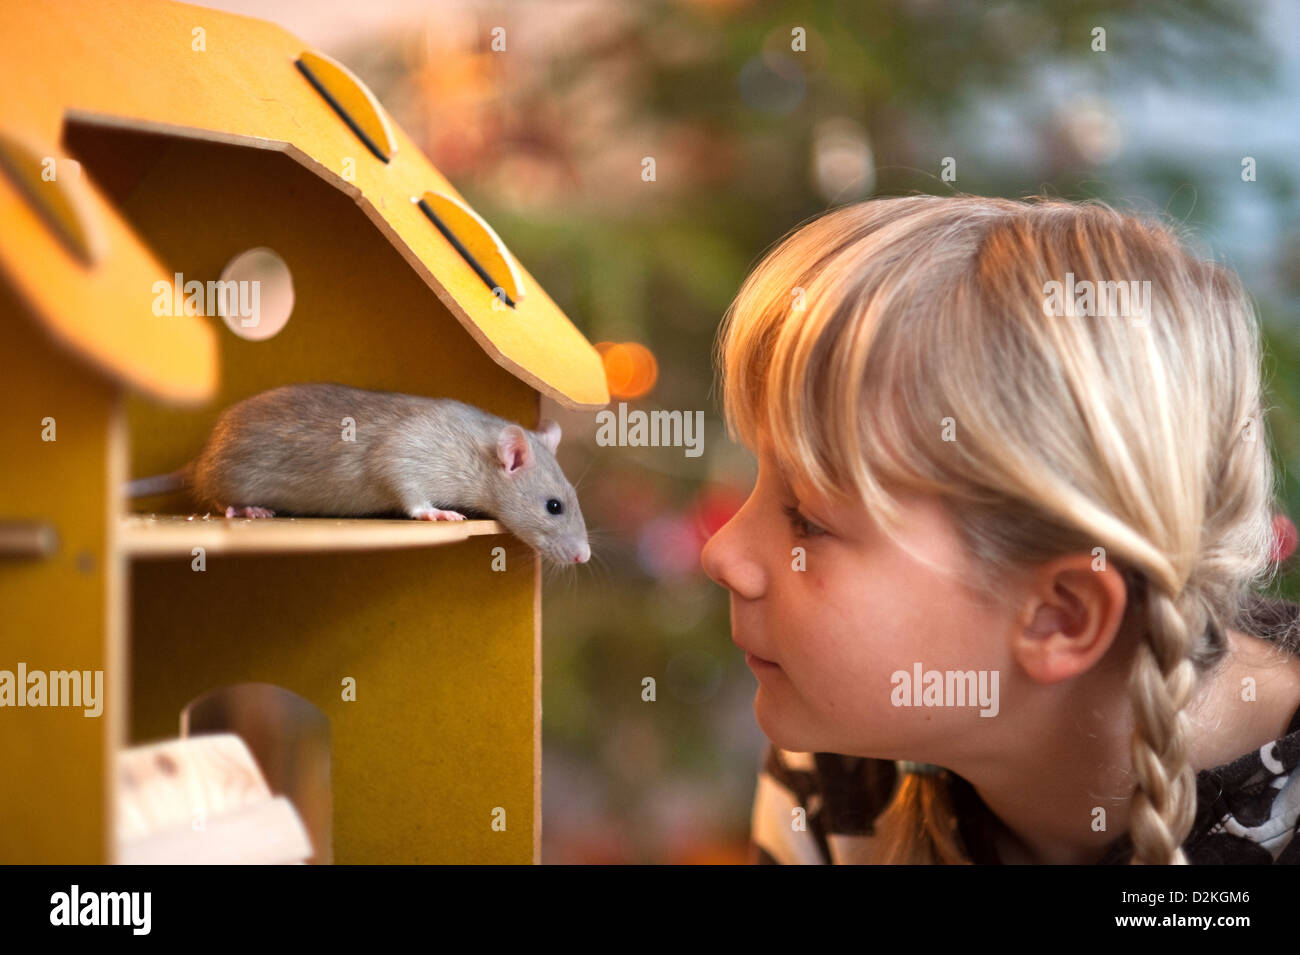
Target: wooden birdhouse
{"x": 153, "y": 157}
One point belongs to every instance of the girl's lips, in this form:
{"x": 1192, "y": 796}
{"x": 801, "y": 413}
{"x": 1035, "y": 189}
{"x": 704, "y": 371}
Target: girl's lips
{"x": 750, "y": 658}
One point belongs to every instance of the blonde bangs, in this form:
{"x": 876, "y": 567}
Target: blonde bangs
{"x": 793, "y": 351}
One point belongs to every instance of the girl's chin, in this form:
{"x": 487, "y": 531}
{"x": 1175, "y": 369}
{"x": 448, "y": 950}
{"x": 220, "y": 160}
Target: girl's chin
{"x": 779, "y": 731}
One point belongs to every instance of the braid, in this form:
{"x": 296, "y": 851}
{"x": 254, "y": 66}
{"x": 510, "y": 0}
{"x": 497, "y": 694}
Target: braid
{"x": 1163, "y": 681}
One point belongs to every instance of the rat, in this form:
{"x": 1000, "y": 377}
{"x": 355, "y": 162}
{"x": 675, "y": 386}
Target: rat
{"x": 432, "y": 459}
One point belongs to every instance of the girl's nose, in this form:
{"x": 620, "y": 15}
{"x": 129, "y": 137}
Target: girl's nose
{"x": 730, "y": 562}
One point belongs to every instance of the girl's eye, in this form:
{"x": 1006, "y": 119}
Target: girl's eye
{"x": 803, "y": 527}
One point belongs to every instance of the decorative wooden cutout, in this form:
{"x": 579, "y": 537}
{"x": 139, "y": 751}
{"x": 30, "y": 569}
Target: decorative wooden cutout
{"x": 477, "y": 243}
{"x": 62, "y": 200}
{"x": 352, "y": 100}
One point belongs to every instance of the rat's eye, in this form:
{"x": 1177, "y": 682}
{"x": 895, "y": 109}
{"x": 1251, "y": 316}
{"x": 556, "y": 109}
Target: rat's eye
{"x": 554, "y": 506}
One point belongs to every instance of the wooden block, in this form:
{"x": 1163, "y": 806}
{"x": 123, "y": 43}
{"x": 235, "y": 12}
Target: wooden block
{"x": 264, "y": 833}
{"x": 202, "y": 800}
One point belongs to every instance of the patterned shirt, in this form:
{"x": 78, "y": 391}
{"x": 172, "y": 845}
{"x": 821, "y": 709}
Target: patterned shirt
{"x": 1247, "y": 810}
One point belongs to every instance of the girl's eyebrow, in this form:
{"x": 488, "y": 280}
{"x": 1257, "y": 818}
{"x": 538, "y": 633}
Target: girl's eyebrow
{"x": 817, "y": 518}
{"x": 804, "y": 504}
{"x": 803, "y": 501}
{"x": 826, "y": 514}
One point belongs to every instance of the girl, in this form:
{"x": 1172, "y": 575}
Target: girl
{"x": 1014, "y": 503}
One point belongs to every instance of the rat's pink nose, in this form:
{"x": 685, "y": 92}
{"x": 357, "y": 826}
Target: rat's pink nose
{"x": 584, "y": 553}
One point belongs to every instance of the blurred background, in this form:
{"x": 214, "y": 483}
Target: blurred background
{"x": 750, "y": 136}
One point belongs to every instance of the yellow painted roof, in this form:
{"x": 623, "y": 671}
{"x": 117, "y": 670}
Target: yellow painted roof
{"x": 132, "y": 63}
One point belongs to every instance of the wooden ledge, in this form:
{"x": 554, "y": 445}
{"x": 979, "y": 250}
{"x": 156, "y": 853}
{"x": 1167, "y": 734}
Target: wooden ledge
{"x": 145, "y": 536}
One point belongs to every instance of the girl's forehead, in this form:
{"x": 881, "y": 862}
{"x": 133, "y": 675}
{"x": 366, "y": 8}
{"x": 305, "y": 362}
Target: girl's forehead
{"x": 792, "y": 477}
{"x": 767, "y": 456}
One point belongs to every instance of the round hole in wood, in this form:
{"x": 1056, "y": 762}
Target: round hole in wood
{"x": 255, "y": 294}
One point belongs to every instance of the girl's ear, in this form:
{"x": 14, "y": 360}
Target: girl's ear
{"x": 512, "y": 448}
{"x": 1071, "y": 616}
{"x": 549, "y": 433}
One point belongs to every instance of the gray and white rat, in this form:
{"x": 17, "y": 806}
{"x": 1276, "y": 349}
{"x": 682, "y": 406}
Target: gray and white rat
{"x": 284, "y": 451}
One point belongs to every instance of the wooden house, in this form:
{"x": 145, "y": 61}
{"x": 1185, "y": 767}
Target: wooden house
{"x": 146, "y": 142}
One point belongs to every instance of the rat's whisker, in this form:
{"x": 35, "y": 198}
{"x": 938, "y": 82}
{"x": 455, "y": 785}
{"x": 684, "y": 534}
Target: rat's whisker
{"x": 600, "y": 571}
{"x": 594, "y": 457}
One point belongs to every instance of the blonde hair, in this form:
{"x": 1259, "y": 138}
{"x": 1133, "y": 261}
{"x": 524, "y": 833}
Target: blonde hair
{"x": 870, "y": 330}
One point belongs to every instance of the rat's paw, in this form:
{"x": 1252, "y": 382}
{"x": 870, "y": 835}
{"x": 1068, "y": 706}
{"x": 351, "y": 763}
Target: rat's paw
{"x": 434, "y": 514}
{"x": 233, "y": 511}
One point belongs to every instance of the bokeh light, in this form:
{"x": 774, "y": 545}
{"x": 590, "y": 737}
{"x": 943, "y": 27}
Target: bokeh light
{"x": 630, "y": 368}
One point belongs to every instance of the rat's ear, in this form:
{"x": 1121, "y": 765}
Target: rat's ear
{"x": 549, "y": 432}
{"x": 512, "y": 448}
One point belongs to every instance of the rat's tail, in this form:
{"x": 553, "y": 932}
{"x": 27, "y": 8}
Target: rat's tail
{"x": 158, "y": 484}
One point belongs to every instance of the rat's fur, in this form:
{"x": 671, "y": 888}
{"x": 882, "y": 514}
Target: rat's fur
{"x": 283, "y": 449}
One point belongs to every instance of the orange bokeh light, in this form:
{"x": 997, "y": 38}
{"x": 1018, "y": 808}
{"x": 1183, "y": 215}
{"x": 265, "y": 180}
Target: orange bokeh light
{"x": 630, "y": 368}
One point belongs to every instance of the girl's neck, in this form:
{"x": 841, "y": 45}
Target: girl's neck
{"x": 1222, "y": 727}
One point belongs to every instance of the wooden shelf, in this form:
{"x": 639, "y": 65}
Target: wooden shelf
{"x": 145, "y": 536}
